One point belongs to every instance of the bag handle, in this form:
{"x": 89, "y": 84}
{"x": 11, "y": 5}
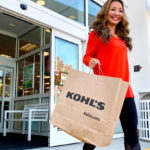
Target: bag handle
{"x": 100, "y": 70}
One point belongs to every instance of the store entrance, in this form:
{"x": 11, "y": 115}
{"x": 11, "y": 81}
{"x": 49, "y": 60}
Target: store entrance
{"x": 6, "y": 76}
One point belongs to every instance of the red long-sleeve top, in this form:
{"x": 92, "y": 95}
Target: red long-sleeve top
{"x": 113, "y": 57}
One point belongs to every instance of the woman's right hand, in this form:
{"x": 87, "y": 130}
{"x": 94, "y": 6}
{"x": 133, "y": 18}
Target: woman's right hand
{"x": 93, "y": 62}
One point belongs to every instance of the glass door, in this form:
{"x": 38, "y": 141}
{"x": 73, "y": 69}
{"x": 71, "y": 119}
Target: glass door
{"x": 5, "y": 92}
{"x": 67, "y": 53}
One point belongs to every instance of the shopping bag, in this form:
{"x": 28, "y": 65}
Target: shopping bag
{"x": 89, "y": 106}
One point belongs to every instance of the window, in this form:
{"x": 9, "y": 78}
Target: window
{"x": 20, "y": 78}
{"x": 29, "y": 76}
{"x": 46, "y": 71}
{"x": 19, "y": 105}
{"x": 7, "y": 50}
{"x": 47, "y": 36}
{"x": 73, "y": 9}
{"x": 93, "y": 9}
{"x": 66, "y": 56}
{"x": 37, "y": 74}
{"x": 30, "y": 41}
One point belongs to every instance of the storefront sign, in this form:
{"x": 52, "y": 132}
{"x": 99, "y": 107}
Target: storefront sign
{"x": 28, "y": 77}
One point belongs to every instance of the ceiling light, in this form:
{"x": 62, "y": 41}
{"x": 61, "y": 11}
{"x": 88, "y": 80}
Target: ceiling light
{"x": 47, "y": 83}
{"x": 46, "y": 77}
{"x": 47, "y": 30}
{"x": 46, "y": 53}
{"x": 5, "y": 55}
{"x": 41, "y": 2}
{"x": 28, "y": 47}
{"x": 72, "y": 17}
{"x": 12, "y": 25}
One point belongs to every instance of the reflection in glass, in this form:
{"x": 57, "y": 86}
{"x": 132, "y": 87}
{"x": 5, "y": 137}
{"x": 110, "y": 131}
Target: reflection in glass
{"x": 8, "y": 46}
{"x": 66, "y": 56}
{"x": 29, "y": 61}
{"x": 30, "y": 41}
{"x": 45, "y": 125}
{"x": 19, "y": 105}
{"x": 6, "y": 107}
{"x": 7, "y": 84}
{"x": 1, "y": 83}
{"x": 46, "y": 72}
{"x": 93, "y": 9}
{"x": 0, "y": 110}
{"x": 20, "y": 78}
{"x": 37, "y": 74}
{"x": 47, "y": 36}
{"x": 73, "y": 9}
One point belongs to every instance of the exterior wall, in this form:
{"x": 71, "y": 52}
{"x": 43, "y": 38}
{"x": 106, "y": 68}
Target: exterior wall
{"x": 138, "y": 18}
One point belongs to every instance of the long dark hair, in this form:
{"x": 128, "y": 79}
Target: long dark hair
{"x": 101, "y": 29}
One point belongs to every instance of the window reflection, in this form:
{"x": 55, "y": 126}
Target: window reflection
{"x": 30, "y": 41}
{"x": 46, "y": 72}
{"x": 28, "y": 62}
{"x": 73, "y": 9}
{"x": 20, "y": 78}
{"x": 93, "y": 9}
{"x": 37, "y": 74}
{"x": 7, "y": 84}
{"x": 7, "y": 50}
{"x": 29, "y": 76}
{"x": 1, "y": 83}
{"x": 47, "y": 36}
{"x": 66, "y": 56}
{"x": 19, "y": 105}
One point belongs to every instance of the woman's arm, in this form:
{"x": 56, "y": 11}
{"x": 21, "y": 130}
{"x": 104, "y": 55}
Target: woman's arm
{"x": 91, "y": 50}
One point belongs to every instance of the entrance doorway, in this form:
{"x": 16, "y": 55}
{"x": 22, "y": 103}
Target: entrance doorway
{"x": 6, "y": 76}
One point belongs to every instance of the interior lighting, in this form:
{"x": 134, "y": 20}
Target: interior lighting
{"x": 47, "y": 30}
{"x": 5, "y": 55}
{"x": 27, "y": 91}
{"x": 46, "y": 53}
{"x": 47, "y": 83}
{"x": 12, "y": 25}
{"x": 72, "y": 17}
{"x": 28, "y": 47}
{"x": 47, "y": 88}
{"x": 41, "y": 2}
{"x": 46, "y": 77}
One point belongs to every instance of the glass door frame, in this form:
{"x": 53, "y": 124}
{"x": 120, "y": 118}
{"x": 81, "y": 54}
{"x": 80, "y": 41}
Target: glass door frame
{"x": 54, "y": 134}
{"x": 6, "y": 99}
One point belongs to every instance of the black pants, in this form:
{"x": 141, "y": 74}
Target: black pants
{"x": 128, "y": 118}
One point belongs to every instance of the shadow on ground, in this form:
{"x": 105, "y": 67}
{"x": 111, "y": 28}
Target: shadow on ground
{"x": 15, "y": 141}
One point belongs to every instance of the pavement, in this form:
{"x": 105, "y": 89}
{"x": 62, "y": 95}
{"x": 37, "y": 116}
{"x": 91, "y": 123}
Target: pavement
{"x": 117, "y": 144}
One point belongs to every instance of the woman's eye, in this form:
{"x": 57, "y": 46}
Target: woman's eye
{"x": 113, "y": 9}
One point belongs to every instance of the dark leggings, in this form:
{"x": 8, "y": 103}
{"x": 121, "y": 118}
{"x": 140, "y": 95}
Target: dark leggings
{"x": 128, "y": 118}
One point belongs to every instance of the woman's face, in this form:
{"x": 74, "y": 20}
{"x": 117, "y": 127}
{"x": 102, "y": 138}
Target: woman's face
{"x": 115, "y": 13}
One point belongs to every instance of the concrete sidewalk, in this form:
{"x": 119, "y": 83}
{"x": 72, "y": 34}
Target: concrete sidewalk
{"x": 117, "y": 144}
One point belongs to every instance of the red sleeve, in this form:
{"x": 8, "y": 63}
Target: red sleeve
{"x": 91, "y": 48}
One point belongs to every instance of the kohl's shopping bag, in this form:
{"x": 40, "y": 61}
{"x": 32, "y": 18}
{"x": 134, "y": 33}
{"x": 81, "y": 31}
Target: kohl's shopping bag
{"x": 89, "y": 106}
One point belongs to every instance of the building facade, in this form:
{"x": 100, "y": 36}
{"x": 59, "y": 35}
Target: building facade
{"x": 40, "y": 40}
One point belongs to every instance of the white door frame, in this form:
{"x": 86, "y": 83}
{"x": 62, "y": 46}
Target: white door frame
{"x": 62, "y": 138}
{"x": 6, "y": 99}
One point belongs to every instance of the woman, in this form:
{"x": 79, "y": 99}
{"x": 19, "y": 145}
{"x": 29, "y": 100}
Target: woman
{"x": 107, "y": 48}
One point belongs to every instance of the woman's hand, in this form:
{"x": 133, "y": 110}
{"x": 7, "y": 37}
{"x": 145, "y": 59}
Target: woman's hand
{"x": 93, "y": 62}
